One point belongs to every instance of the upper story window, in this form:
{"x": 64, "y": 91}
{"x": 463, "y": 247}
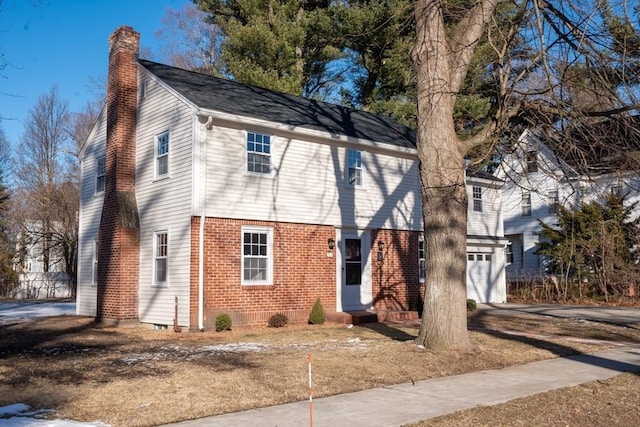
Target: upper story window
{"x": 552, "y": 201}
{"x": 257, "y": 256}
{"x": 160, "y": 257}
{"x": 421, "y": 259}
{"x": 532, "y": 161}
{"x": 477, "y": 199}
{"x": 526, "y": 203}
{"x": 258, "y": 153}
{"x": 354, "y": 167}
{"x": 162, "y": 155}
{"x": 100, "y": 175}
{"x": 616, "y": 190}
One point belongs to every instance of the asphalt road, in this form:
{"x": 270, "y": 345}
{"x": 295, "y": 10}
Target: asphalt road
{"x": 619, "y": 315}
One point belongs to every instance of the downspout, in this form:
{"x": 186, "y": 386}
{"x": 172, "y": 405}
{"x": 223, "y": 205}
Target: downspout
{"x": 203, "y": 198}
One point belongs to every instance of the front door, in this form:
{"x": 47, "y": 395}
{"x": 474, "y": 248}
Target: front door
{"x": 355, "y": 288}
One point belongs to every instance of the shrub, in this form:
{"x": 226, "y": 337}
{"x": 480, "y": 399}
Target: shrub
{"x": 278, "y": 320}
{"x": 223, "y": 322}
{"x": 317, "y": 314}
{"x": 471, "y": 305}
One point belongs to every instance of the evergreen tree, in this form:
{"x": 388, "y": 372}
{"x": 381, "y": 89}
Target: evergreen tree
{"x": 284, "y": 45}
{"x": 596, "y": 243}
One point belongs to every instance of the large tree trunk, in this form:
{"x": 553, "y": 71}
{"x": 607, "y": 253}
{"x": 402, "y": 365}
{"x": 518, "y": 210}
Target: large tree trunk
{"x": 444, "y": 197}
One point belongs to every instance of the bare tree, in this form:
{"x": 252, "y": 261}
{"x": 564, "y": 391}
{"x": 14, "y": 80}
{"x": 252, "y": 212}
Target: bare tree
{"x": 190, "y": 41}
{"x": 48, "y": 184}
{"x": 578, "y": 66}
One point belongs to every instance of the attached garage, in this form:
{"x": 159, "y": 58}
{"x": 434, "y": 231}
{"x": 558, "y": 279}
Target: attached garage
{"x": 485, "y": 270}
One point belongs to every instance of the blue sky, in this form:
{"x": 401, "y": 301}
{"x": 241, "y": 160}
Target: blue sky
{"x": 65, "y": 42}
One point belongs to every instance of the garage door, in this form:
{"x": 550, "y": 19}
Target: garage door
{"x": 479, "y": 277}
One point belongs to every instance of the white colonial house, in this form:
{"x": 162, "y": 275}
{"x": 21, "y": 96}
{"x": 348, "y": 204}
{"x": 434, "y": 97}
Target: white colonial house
{"x": 536, "y": 181}
{"x": 202, "y": 196}
{"x": 40, "y": 265}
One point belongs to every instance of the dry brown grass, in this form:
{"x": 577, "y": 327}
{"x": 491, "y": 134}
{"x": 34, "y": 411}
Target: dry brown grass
{"x": 140, "y": 377}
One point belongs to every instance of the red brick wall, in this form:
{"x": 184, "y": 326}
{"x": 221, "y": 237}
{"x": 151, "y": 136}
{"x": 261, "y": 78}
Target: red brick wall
{"x": 118, "y": 238}
{"x": 302, "y": 272}
{"x": 396, "y": 281}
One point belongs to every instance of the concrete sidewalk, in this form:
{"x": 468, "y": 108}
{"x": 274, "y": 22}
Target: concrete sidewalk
{"x": 406, "y": 403}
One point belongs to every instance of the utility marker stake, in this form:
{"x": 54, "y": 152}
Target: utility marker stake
{"x": 310, "y": 393}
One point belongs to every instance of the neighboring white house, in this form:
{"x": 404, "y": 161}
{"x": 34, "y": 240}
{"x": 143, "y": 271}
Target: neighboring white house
{"x": 201, "y": 195}
{"x": 536, "y": 181}
{"x": 40, "y": 268}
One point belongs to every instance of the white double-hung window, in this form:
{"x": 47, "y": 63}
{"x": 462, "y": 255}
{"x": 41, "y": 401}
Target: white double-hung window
{"x": 100, "y": 174}
{"x": 354, "y": 167}
{"x": 162, "y": 155}
{"x": 160, "y": 257}
{"x": 258, "y": 153}
{"x": 257, "y": 256}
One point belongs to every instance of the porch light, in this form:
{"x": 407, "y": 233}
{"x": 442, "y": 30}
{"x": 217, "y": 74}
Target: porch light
{"x": 331, "y": 242}
{"x": 380, "y": 251}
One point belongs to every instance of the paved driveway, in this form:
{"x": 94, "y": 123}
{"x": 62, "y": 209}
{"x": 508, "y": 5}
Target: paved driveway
{"x": 587, "y": 312}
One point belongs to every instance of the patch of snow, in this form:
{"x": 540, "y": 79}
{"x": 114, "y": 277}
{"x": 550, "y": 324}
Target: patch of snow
{"x": 24, "y": 311}
{"x": 21, "y": 415}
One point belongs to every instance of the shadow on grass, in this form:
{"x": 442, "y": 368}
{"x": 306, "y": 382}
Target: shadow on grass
{"x": 478, "y": 323}
{"x": 395, "y": 333}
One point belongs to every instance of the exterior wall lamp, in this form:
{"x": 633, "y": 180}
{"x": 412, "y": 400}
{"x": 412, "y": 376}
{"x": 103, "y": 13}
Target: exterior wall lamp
{"x": 331, "y": 242}
{"x": 380, "y": 251}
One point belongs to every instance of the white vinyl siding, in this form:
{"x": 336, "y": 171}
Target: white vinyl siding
{"x": 165, "y": 204}
{"x": 89, "y": 218}
{"x": 309, "y": 185}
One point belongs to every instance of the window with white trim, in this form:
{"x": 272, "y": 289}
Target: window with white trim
{"x": 421, "y": 259}
{"x": 526, "y": 203}
{"x": 616, "y": 190}
{"x": 160, "y": 257}
{"x": 354, "y": 167}
{"x": 532, "y": 161}
{"x": 94, "y": 275}
{"x": 509, "y": 253}
{"x": 477, "y": 199}
{"x": 258, "y": 153}
{"x": 100, "y": 174}
{"x": 257, "y": 256}
{"x": 162, "y": 155}
{"x": 552, "y": 201}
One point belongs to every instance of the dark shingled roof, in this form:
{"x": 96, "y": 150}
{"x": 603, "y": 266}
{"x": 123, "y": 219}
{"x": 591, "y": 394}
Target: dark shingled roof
{"x": 217, "y": 94}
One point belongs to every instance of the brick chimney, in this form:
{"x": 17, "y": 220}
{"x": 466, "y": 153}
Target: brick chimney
{"x": 119, "y": 232}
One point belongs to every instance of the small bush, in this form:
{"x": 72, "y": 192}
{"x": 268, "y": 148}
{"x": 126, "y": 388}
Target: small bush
{"x": 223, "y": 322}
{"x": 471, "y": 305}
{"x": 317, "y": 314}
{"x": 278, "y": 320}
